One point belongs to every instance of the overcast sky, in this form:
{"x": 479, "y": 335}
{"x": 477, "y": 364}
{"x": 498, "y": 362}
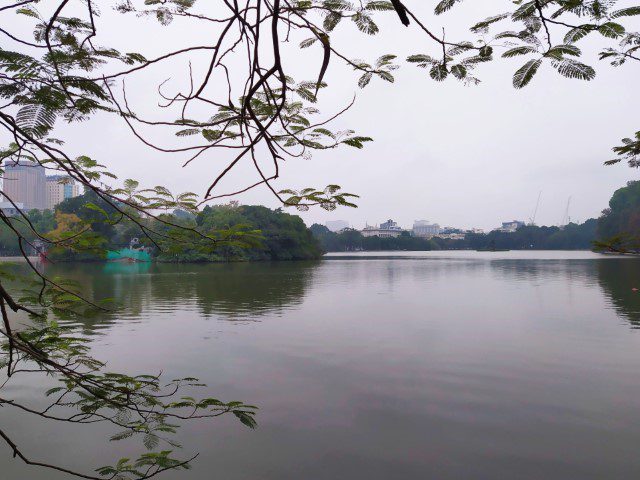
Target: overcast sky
{"x": 455, "y": 155}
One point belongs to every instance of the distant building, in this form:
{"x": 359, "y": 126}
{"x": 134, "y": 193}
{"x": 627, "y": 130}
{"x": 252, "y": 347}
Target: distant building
{"x": 386, "y": 229}
{"x": 510, "y": 227}
{"x": 59, "y": 188}
{"x": 390, "y": 225}
{"x": 422, "y": 228}
{"x": 25, "y": 182}
{"x": 337, "y": 225}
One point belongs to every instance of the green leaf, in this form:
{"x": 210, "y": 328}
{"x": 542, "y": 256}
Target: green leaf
{"x": 150, "y": 441}
{"x": 577, "y": 33}
{"x": 525, "y": 73}
{"x": 386, "y": 76}
{"x": 28, "y": 12}
{"x": 331, "y": 21}
{"x": 483, "y": 26}
{"x": 357, "y": 142}
{"x": 439, "y": 72}
{"x": 51, "y": 391}
{"x": 365, "y": 24}
{"x": 526, "y": 10}
{"x": 308, "y": 42}
{"x": 211, "y": 135}
{"x": 37, "y": 119}
{"x": 186, "y": 132}
{"x": 573, "y": 69}
{"x": 626, "y": 12}
{"x": 246, "y": 419}
{"x": 421, "y": 59}
{"x": 560, "y": 50}
{"x": 459, "y": 71}
{"x": 611, "y": 30}
{"x": 365, "y": 79}
{"x": 379, "y": 6}
{"x": 444, "y": 6}
{"x": 486, "y": 51}
{"x": 514, "y": 52}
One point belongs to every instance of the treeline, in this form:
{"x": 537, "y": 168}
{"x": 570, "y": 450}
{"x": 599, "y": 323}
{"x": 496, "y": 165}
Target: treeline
{"x": 530, "y": 237}
{"x": 242, "y": 233}
{"x": 245, "y": 233}
{"x": 352, "y": 240}
{"x": 619, "y": 225}
{"x": 571, "y": 237}
{"x": 217, "y": 233}
{"x": 42, "y": 221}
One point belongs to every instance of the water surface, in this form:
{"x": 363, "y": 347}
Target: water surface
{"x": 443, "y": 365}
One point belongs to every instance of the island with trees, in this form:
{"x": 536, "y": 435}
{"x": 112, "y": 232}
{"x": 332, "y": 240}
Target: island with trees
{"x": 244, "y": 233}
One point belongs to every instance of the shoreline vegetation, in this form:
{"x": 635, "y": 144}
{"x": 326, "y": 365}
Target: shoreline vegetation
{"x": 239, "y": 233}
{"x": 616, "y": 231}
{"x": 530, "y": 237}
{"x": 257, "y": 233}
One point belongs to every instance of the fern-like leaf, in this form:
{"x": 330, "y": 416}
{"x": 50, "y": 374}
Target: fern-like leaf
{"x": 36, "y": 120}
{"x": 525, "y": 73}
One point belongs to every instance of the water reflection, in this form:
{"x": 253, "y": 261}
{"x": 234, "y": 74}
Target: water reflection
{"x": 237, "y": 291}
{"x": 246, "y": 291}
{"x": 546, "y": 270}
{"x": 618, "y": 278}
{"x": 115, "y": 268}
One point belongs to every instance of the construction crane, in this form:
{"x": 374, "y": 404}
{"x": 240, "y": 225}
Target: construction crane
{"x": 566, "y": 218}
{"x": 532, "y": 219}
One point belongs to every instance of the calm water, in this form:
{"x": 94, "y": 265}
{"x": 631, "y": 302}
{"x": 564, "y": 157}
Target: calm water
{"x": 459, "y": 365}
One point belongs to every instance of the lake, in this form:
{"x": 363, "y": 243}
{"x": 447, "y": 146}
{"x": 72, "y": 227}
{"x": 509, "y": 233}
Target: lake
{"x": 436, "y": 365}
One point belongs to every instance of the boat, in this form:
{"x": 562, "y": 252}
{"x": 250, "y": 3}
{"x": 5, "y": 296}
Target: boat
{"x": 134, "y": 253}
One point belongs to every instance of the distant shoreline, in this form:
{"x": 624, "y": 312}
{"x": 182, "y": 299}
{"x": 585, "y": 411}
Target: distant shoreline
{"x": 17, "y": 259}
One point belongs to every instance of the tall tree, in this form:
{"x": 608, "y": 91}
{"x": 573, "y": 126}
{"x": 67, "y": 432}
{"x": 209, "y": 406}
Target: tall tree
{"x": 619, "y": 225}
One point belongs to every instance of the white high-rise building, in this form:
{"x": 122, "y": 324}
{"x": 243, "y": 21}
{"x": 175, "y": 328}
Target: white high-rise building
{"x": 24, "y": 182}
{"x": 59, "y": 188}
{"x": 422, "y": 228}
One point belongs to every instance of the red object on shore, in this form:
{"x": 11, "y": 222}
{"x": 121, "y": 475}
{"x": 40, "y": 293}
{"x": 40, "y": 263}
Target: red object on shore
{"x": 634, "y": 289}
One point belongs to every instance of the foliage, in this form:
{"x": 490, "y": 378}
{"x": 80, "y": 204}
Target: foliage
{"x": 59, "y": 72}
{"x": 619, "y": 225}
{"x": 41, "y": 220}
{"x": 629, "y": 151}
{"x": 530, "y": 237}
{"x": 571, "y": 237}
{"x": 351, "y": 240}
{"x": 75, "y": 239}
{"x": 222, "y": 233}
{"x": 143, "y": 406}
{"x": 257, "y": 232}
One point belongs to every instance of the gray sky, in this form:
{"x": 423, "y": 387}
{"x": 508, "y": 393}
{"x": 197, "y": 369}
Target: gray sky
{"x": 456, "y": 155}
